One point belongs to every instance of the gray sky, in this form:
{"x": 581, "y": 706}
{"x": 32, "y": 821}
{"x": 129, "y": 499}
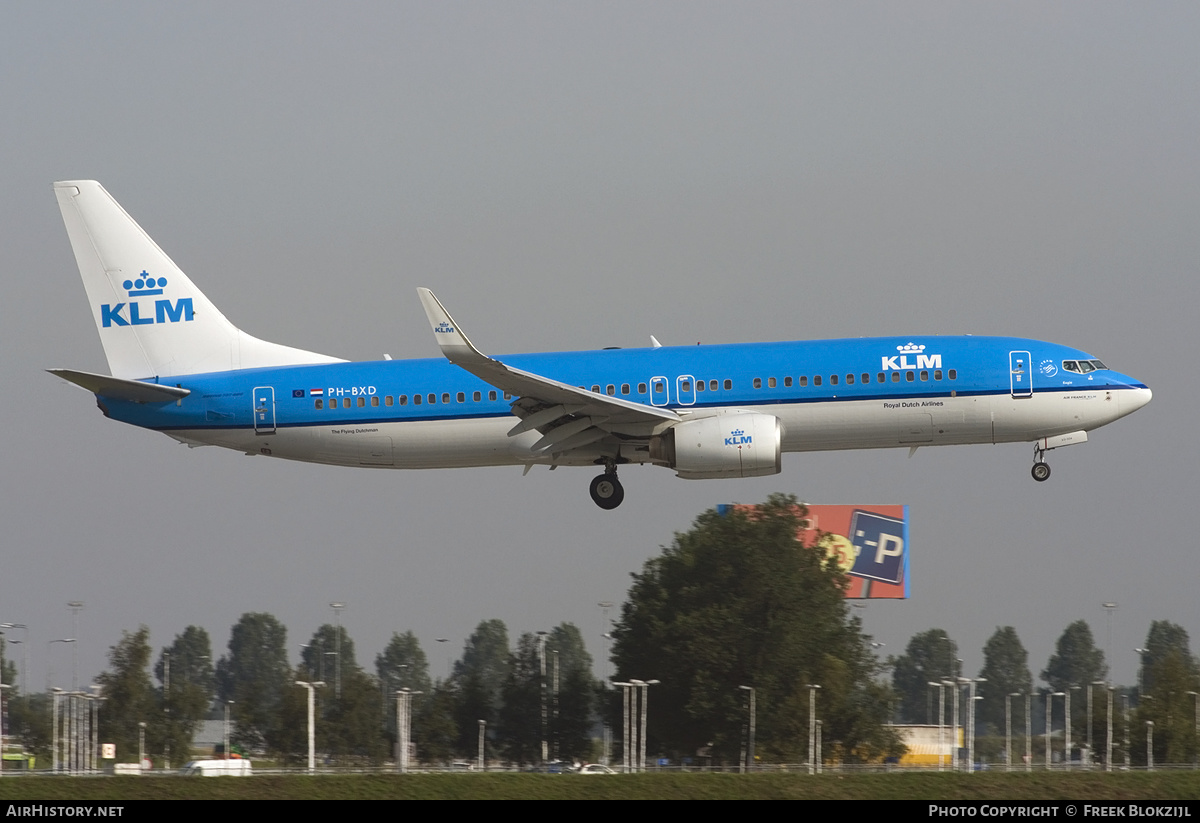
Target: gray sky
{"x": 579, "y": 175}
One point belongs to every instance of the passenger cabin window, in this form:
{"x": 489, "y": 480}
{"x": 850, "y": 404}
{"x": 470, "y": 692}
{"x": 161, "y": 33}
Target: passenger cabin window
{"x": 362, "y": 402}
{"x": 699, "y": 385}
{"x": 507, "y": 396}
{"x": 462, "y": 398}
{"x": 624, "y": 388}
{"x": 596, "y": 389}
{"x": 387, "y": 401}
{"x": 952, "y": 374}
{"x": 924, "y": 376}
{"x": 758, "y": 382}
{"x": 803, "y": 381}
{"x": 712, "y": 385}
{"x": 833, "y": 379}
{"x": 345, "y": 402}
{"x": 937, "y": 374}
{"x": 404, "y": 400}
{"x": 445, "y": 397}
{"x": 491, "y": 395}
{"x": 895, "y": 377}
{"x": 817, "y": 380}
{"x": 787, "y": 382}
{"x": 771, "y": 382}
{"x": 375, "y": 400}
{"x": 909, "y": 376}
{"x": 320, "y": 403}
{"x": 879, "y": 378}
{"x": 849, "y": 380}
{"x": 416, "y": 399}
{"x": 477, "y": 396}
{"x": 432, "y": 398}
{"x": 728, "y": 385}
{"x": 866, "y": 378}
{"x": 641, "y": 388}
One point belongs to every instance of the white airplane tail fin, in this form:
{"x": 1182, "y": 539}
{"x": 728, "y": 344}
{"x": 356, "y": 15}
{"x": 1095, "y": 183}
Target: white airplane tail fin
{"x": 152, "y": 319}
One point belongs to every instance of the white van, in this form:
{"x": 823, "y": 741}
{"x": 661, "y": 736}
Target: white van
{"x": 217, "y": 768}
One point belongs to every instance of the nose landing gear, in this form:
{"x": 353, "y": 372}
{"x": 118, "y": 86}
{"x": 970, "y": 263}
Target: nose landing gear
{"x": 1041, "y": 469}
{"x": 606, "y": 489}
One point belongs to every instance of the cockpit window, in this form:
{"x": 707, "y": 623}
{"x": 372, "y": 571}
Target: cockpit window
{"x": 1083, "y": 366}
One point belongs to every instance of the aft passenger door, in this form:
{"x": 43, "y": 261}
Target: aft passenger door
{"x": 264, "y": 410}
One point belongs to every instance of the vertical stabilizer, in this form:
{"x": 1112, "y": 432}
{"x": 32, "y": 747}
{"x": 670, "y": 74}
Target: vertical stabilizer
{"x": 152, "y": 319}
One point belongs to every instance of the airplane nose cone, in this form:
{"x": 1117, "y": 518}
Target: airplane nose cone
{"x": 1131, "y": 400}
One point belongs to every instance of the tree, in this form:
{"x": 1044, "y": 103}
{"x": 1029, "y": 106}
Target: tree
{"x": 329, "y": 652}
{"x": 1076, "y": 660}
{"x": 521, "y": 729}
{"x": 434, "y": 730}
{"x": 403, "y": 665}
{"x": 1006, "y": 670}
{"x": 739, "y": 601}
{"x": 1170, "y": 706}
{"x": 8, "y": 669}
{"x": 571, "y": 693}
{"x": 1163, "y": 638}
{"x": 485, "y": 656}
{"x": 929, "y": 658}
{"x": 1077, "y": 663}
{"x": 128, "y": 695}
{"x": 478, "y": 680}
{"x": 185, "y": 700}
{"x": 254, "y": 675}
{"x": 353, "y": 723}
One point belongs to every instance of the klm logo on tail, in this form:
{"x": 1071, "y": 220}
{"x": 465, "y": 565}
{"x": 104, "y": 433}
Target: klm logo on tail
{"x": 164, "y": 310}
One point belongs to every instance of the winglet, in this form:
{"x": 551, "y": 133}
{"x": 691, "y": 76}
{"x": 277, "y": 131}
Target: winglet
{"x": 450, "y": 338}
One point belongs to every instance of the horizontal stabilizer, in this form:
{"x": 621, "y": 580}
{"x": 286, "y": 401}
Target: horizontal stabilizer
{"x": 120, "y": 389}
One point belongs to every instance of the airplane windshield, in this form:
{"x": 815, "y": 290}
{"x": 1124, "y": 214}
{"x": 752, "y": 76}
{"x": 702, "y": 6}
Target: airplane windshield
{"x": 1083, "y": 366}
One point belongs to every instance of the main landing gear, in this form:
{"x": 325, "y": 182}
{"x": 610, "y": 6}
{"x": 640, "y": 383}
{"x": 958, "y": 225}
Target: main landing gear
{"x": 606, "y": 489}
{"x": 1041, "y": 469}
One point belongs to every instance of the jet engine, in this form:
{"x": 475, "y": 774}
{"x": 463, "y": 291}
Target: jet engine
{"x": 730, "y": 444}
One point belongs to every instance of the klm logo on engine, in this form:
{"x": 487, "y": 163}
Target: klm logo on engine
{"x": 901, "y": 362}
{"x": 738, "y": 437}
{"x": 135, "y": 313}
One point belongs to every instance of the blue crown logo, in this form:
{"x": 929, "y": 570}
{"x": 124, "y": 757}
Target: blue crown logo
{"x": 737, "y": 433}
{"x": 144, "y": 285}
{"x": 910, "y": 348}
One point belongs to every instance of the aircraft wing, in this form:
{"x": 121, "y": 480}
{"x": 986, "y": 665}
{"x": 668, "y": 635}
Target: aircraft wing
{"x": 567, "y": 416}
{"x": 120, "y": 388}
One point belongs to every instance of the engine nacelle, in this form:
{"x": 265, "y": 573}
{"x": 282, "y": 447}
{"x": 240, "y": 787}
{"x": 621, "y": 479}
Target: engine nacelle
{"x": 731, "y": 444}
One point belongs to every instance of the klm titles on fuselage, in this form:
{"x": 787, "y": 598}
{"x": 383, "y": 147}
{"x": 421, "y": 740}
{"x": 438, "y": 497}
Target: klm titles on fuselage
{"x": 164, "y": 310}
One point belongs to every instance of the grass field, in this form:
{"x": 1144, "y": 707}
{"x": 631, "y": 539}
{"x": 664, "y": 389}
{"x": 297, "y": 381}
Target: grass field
{"x": 1090, "y": 787}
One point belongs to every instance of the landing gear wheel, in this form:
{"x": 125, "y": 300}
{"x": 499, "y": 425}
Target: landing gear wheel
{"x": 1040, "y": 471}
{"x": 606, "y": 491}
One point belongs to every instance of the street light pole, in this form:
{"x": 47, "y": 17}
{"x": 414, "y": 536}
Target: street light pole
{"x": 312, "y": 749}
{"x": 749, "y": 761}
{"x": 337, "y": 647}
{"x": 812, "y": 726}
{"x": 627, "y": 744}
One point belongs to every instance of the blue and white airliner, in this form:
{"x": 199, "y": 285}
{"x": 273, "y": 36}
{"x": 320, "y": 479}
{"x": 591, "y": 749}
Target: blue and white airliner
{"x": 180, "y": 367}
